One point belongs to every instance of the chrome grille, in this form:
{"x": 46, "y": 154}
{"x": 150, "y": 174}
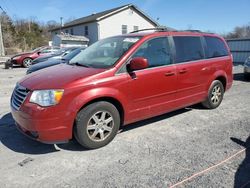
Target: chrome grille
{"x": 18, "y": 96}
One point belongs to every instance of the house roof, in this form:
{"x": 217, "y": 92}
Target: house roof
{"x": 102, "y": 15}
{"x": 72, "y": 37}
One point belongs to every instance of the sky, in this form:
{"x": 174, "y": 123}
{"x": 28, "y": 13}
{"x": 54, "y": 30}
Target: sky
{"x": 219, "y": 16}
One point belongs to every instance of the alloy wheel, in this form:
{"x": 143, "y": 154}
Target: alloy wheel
{"x": 27, "y": 62}
{"x": 216, "y": 94}
{"x": 100, "y": 126}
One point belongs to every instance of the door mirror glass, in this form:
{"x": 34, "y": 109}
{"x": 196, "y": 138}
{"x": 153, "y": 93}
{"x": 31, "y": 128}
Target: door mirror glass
{"x": 138, "y": 63}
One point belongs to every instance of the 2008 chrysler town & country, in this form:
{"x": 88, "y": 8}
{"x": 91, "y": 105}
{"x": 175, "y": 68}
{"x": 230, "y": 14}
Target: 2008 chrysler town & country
{"x": 120, "y": 80}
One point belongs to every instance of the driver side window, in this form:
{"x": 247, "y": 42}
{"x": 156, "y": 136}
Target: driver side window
{"x": 156, "y": 51}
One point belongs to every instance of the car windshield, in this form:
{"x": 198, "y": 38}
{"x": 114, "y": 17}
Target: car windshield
{"x": 72, "y": 54}
{"x": 59, "y": 52}
{"x": 104, "y": 53}
{"x": 37, "y": 49}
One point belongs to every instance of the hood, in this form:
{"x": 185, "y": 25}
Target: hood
{"x": 57, "y": 77}
{"x": 41, "y": 59}
{"x": 44, "y": 64}
{"x": 25, "y": 53}
{"x": 45, "y": 58}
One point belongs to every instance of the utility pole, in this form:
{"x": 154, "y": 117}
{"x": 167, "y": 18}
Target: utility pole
{"x": 61, "y": 25}
{"x": 2, "y": 52}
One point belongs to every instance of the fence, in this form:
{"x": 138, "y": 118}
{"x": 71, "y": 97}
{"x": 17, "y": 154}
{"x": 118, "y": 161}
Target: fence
{"x": 240, "y": 49}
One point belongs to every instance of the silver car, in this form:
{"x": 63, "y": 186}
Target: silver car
{"x": 247, "y": 68}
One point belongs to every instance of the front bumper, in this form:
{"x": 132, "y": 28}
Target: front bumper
{"x": 41, "y": 125}
{"x": 14, "y": 62}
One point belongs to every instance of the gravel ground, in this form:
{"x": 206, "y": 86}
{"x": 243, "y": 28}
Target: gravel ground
{"x": 158, "y": 152}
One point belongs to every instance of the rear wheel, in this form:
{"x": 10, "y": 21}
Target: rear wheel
{"x": 97, "y": 124}
{"x": 27, "y": 62}
{"x": 215, "y": 95}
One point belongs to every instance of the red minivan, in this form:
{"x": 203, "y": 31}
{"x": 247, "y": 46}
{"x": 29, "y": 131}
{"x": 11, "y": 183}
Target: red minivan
{"x": 120, "y": 80}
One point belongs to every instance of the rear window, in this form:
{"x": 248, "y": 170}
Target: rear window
{"x": 215, "y": 47}
{"x": 188, "y": 49}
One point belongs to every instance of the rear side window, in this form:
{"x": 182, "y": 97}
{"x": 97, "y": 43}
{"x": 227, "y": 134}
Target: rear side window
{"x": 215, "y": 47}
{"x": 188, "y": 49}
{"x": 156, "y": 51}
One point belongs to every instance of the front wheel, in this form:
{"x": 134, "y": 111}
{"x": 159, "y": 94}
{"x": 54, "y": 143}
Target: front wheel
{"x": 97, "y": 125}
{"x": 27, "y": 62}
{"x": 215, "y": 95}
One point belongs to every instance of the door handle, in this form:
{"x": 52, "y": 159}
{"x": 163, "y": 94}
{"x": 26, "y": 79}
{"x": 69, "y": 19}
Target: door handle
{"x": 182, "y": 71}
{"x": 169, "y": 73}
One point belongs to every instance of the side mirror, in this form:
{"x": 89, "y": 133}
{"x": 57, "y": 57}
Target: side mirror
{"x": 138, "y": 63}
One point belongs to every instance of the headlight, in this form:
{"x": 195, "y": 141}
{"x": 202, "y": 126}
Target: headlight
{"x": 46, "y": 97}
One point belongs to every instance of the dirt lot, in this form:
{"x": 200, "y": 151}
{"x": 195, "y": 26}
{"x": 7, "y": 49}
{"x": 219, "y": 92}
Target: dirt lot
{"x": 158, "y": 152}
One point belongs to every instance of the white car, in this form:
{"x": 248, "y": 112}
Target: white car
{"x": 247, "y": 68}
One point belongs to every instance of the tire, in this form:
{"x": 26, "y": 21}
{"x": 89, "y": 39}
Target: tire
{"x": 96, "y": 125}
{"x": 215, "y": 95}
{"x": 27, "y": 62}
{"x": 247, "y": 76}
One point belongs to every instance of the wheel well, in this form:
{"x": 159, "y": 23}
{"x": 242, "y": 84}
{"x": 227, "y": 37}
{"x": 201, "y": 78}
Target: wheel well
{"x": 111, "y": 100}
{"x": 27, "y": 58}
{"x": 223, "y": 80}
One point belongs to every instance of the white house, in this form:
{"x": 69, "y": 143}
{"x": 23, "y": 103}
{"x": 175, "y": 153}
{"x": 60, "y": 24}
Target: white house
{"x": 120, "y": 20}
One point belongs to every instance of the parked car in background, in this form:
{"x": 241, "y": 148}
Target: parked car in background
{"x": 120, "y": 80}
{"x": 56, "y": 55}
{"x": 25, "y": 59}
{"x": 247, "y": 68}
{"x": 51, "y": 61}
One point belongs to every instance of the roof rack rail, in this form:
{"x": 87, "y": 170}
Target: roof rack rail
{"x": 160, "y": 29}
{"x": 196, "y": 31}
{"x": 193, "y": 30}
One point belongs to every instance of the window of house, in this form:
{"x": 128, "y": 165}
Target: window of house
{"x": 66, "y": 31}
{"x": 124, "y": 29}
{"x": 71, "y": 31}
{"x": 136, "y": 28}
{"x": 215, "y": 47}
{"x": 86, "y": 30}
{"x": 156, "y": 51}
{"x": 188, "y": 48}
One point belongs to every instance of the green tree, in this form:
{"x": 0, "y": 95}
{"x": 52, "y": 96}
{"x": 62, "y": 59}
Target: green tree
{"x": 25, "y": 34}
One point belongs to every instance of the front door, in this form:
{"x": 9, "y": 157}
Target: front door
{"x": 152, "y": 90}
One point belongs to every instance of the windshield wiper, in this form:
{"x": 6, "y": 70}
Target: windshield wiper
{"x": 79, "y": 64}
